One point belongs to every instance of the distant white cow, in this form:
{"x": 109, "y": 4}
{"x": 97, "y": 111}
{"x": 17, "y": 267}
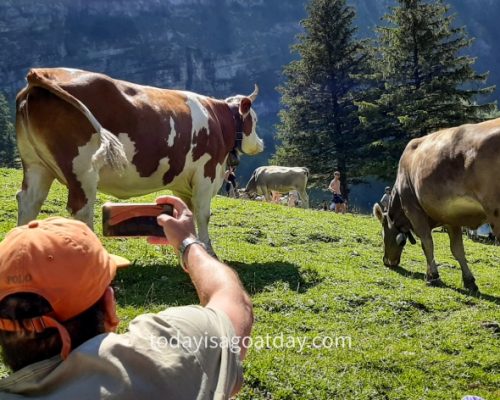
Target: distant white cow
{"x": 279, "y": 179}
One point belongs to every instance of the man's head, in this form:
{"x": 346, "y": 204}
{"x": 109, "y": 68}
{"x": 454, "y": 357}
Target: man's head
{"x": 336, "y": 174}
{"x": 52, "y": 274}
{"x": 388, "y": 189}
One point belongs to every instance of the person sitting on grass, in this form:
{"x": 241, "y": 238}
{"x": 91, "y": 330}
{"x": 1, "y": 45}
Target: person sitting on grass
{"x": 58, "y": 318}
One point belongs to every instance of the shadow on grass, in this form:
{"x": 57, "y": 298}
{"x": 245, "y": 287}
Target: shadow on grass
{"x": 256, "y": 277}
{"x": 408, "y": 274}
{"x": 167, "y": 285}
{"x": 422, "y": 277}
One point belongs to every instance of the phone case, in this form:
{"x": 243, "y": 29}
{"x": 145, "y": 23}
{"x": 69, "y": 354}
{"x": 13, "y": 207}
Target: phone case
{"x": 133, "y": 219}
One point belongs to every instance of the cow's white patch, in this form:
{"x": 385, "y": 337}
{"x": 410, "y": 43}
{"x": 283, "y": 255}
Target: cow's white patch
{"x": 87, "y": 175}
{"x": 252, "y": 144}
{"x": 173, "y": 133}
{"x": 128, "y": 146}
{"x": 130, "y": 183}
{"x": 199, "y": 114}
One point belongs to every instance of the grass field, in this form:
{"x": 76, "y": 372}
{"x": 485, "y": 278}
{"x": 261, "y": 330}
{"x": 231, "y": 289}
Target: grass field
{"x": 316, "y": 276}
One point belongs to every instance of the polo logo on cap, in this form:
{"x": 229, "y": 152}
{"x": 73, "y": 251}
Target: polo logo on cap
{"x": 18, "y": 279}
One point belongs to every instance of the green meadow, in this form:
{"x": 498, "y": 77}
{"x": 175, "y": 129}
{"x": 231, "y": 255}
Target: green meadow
{"x": 331, "y": 321}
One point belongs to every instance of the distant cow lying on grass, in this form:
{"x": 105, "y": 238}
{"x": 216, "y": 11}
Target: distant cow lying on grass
{"x": 92, "y": 132}
{"x": 278, "y": 179}
{"x": 446, "y": 178}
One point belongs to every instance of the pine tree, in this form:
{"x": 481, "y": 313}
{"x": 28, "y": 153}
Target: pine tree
{"x": 319, "y": 122}
{"x": 425, "y": 81}
{"x": 7, "y": 142}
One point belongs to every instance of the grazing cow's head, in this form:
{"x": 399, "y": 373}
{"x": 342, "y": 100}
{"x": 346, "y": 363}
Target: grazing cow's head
{"x": 247, "y": 139}
{"x": 394, "y": 237}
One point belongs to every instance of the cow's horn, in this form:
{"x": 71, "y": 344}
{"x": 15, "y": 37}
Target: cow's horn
{"x": 401, "y": 239}
{"x": 253, "y": 96}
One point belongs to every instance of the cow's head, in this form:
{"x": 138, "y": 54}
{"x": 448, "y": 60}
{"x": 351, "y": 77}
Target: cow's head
{"x": 394, "y": 237}
{"x": 248, "y": 142}
{"x": 243, "y": 194}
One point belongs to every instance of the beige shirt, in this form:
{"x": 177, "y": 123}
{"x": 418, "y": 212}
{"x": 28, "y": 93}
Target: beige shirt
{"x": 180, "y": 353}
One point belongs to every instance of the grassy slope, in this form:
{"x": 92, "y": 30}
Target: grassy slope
{"x": 312, "y": 273}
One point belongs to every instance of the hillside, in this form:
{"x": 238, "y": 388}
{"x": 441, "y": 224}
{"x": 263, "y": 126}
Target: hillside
{"x": 215, "y": 47}
{"x": 314, "y": 274}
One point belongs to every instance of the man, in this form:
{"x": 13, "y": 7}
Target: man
{"x": 58, "y": 318}
{"x": 337, "y": 199}
{"x": 230, "y": 181}
{"x": 384, "y": 201}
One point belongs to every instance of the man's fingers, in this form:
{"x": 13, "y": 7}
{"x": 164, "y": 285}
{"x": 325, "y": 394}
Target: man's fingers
{"x": 178, "y": 204}
{"x": 157, "y": 240}
{"x": 163, "y": 219}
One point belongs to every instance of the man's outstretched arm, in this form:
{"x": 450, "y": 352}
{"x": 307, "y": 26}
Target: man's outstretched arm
{"x": 217, "y": 285}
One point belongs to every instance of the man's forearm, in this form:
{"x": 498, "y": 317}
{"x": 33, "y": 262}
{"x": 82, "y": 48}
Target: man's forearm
{"x": 208, "y": 274}
{"x": 218, "y": 286}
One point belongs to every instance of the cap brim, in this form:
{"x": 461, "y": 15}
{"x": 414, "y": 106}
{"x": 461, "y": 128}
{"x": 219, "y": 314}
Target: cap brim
{"x": 120, "y": 262}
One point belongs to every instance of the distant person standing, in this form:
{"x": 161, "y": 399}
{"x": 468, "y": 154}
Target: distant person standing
{"x": 275, "y": 197}
{"x": 386, "y": 198}
{"x": 293, "y": 198}
{"x": 337, "y": 199}
{"x": 230, "y": 180}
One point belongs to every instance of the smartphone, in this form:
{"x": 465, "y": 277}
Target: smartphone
{"x": 133, "y": 219}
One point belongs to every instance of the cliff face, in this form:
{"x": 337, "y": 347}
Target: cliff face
{"x": 215, "y": 47}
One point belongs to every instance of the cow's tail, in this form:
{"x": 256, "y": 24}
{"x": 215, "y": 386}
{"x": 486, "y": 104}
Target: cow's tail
{"x": 110, "y": 151}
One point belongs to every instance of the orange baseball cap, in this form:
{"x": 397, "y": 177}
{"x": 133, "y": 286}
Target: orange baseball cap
{"x": 61, "y": 260}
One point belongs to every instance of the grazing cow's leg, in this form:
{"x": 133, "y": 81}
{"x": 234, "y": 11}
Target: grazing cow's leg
{"x": 35, "y": 188}
{"x": 421, "y": 227}
{"x": 428, "y": 247}
{"x": 494, "y": 220}
{"x": 457, "y": 249}
{"x": 305, "y": 198}
{"x": 424, "y": 232}
{"x": 266, "y": 194}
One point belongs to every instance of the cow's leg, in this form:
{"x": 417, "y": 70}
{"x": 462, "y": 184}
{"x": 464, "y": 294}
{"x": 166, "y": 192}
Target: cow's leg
{"x": 457, "y": 249}
{"x": 428, "y": 248}
{"x": 266, "y": 194}
{"x": 494, "y": 220}
{"x": 200, "y": 205}
{"x": 35, "y": 188}
{"x": 82, "y": 192}
{"x": 424, "y": 232}
{"x": 305, "y": 198}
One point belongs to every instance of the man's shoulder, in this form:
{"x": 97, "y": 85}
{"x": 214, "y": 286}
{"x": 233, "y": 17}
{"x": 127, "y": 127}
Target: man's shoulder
{"x": 165, "y": 352}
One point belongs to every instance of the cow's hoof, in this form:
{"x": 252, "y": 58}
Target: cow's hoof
{"x": 436, "y": 282}
{"x": 471, "y": 287}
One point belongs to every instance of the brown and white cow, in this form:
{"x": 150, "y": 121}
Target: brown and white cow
{"x": 447, "y": 178}
{"x": 269, "y": 178}
{"x": 94, "y": 133}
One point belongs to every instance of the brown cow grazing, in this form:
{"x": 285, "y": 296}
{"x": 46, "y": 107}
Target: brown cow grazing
{"x": 92, "y": 132}
{"x": 448, "y": 178}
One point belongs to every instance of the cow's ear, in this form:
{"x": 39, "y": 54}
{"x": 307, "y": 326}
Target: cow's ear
{"x": 245, "y": 105}
{"x": 377, "y": 212}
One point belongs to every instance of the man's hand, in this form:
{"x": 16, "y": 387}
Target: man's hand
{"x": 178, "y": 227}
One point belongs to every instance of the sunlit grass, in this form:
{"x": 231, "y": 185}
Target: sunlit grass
{"x": 314, "y": 274}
